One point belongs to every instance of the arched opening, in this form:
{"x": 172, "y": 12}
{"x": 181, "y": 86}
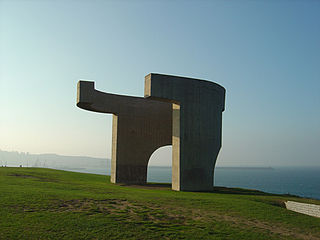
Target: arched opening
{"x": 159, "y": 166}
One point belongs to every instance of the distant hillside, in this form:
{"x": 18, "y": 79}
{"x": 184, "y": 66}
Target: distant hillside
{"x": 14, "y": 159}
{"x": 50, "y": 160}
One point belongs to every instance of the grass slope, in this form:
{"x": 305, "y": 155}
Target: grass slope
{"x": 51, "y": 204}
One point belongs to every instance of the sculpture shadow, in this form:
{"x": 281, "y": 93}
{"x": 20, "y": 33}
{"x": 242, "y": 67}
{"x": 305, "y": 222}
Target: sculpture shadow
{"x": 161, "y": 186}
{"x": 240, "y": 191}
{"x": 217, "y": 189}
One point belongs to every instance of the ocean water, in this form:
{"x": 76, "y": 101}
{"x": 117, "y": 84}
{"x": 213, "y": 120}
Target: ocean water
{"x": 300, "y": 181}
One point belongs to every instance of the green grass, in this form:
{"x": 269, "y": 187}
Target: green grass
{"x": 51, "y": 204}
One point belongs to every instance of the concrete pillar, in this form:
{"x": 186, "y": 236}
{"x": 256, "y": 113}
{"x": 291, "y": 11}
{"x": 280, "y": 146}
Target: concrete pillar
{"x": 197, "y": 122}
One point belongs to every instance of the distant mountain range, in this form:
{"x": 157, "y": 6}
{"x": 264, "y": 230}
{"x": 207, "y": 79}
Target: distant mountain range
{"x": 50, "y": 160}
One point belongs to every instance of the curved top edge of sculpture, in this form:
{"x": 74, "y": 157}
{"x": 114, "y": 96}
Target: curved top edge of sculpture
{"x": 174, "y": 88}
{"x": 187, "y": 79}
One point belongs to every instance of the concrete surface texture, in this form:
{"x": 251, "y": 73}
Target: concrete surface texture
{"x": 304, "y": 208}
{"x": 197, "y": 123}
{"x": 140, "y": 126}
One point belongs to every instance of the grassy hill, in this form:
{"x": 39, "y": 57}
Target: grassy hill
{"x": 51, "y": 204}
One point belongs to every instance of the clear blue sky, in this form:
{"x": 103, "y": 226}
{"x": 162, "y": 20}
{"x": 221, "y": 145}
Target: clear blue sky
{"x": 265, "y": 53}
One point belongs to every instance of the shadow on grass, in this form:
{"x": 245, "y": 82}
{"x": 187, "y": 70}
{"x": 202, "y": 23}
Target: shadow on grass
{"x": 241, "y": 191}
{"x": 217, "y": 189}
{"x": 164, "y": 186}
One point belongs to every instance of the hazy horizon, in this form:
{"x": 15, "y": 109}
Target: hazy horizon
{"x": 27, "y": 159}
{"x": 265, "y": 53}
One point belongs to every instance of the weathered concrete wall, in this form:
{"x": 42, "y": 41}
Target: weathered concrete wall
{"x": 140, "y": 126}
{"x": 197, "y": 123}
{"x": 304, "y": 208}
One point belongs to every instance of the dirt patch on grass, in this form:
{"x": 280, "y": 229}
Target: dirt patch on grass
{"x": 39, "y": 178}
{"x": 165, "y": 215}
{"x": 21, "y": 175}
{"x": 172, "y": 215}
{"x": 244, "y": 223}
{"x": 90, "y": 205}
{"x": 133, "y": 212}
{"x": 273, "y": 202}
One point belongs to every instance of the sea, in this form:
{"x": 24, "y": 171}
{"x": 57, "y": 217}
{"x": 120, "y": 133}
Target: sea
{"x": 299, "y": 181}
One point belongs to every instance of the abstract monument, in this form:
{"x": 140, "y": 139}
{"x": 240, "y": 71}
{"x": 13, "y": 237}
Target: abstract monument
{"x": 184, "y": 112}
{"x": 140, "y": 126}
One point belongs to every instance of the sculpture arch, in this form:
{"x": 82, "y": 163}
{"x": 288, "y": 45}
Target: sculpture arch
{"x": 163, "y": 152}
{"x": 156, "y": 165}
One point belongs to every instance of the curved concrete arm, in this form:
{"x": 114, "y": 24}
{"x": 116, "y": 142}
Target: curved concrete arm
{"x": 89, "y": 98}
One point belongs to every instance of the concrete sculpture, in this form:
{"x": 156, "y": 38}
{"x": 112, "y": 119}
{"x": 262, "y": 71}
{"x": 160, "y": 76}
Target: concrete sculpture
{"x": 184, "y": 112}
{"x": 197, "y": 122}
{"x": 139, "y": 127}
